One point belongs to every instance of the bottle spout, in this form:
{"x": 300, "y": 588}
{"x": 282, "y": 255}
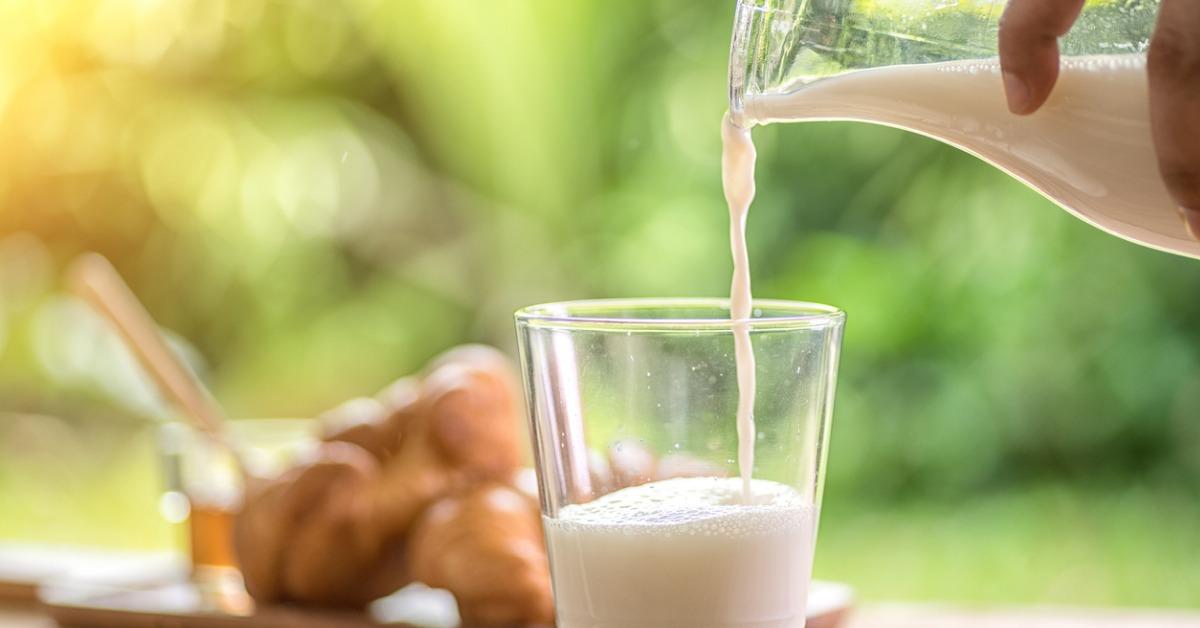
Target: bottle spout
{"x": 758, "y": 51}
{"x": 740, "y": 60}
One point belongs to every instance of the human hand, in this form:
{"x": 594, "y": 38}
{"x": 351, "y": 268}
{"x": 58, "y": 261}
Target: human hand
{"x": 1029, "y": 60}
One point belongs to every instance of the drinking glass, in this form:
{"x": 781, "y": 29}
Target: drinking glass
{"x": 627, "y": 392}
{"x": 204, "y": 486}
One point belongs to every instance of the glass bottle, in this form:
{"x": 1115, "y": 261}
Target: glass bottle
{"x": 930, "y": 66}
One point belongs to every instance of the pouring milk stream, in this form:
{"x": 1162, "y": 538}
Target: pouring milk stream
{"x": 737, "y": 176}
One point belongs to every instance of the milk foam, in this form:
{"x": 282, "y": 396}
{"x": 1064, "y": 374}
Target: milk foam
{"x": 684, "y": 552}
{"x": 706, "y": 506}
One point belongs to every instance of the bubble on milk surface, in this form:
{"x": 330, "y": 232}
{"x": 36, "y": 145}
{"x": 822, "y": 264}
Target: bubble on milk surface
{"x": 1084, "y": 63}
{"x": 704, "y": 506}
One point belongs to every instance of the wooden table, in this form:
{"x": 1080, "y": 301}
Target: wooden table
{"x": 883, "y": 616}
{"x": 13, "y": 615}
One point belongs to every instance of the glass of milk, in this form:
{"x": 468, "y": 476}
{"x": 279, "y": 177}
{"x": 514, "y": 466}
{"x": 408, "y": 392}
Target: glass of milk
{"x": 633, "y": 407}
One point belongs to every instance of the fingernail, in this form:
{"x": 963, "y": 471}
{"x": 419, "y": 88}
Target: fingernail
{"x": 1191, "y": 217}
{"x": 1017, "y": 93}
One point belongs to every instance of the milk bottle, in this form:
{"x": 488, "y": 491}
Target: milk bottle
{"x": 930, "y": 68}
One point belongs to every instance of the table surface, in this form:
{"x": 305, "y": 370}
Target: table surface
{"x": 933, "y": 616}
{"x": 882, "y": 616}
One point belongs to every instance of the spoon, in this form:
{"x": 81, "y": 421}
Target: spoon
{"x": 93, "y": 279}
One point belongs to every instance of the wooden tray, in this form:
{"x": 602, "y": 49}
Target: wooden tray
{"x": 182, "y": 605}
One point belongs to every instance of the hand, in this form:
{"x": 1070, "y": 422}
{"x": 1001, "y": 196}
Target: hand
{"x": 1029, "y": 33}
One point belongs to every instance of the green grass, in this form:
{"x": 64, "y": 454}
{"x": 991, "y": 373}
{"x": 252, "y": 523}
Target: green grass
{"x": 1050, "y": 544}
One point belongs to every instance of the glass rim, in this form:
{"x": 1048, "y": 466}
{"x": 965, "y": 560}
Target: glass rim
{"x": 613, "y": 315}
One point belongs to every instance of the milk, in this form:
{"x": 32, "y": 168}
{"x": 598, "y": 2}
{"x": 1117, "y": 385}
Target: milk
{"x": 737, "y": 176}
{"x": 1088, "y": 148}
{"x": 686, "y": 552}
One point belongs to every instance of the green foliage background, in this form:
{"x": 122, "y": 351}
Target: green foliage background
{"x": 320, "y": 196}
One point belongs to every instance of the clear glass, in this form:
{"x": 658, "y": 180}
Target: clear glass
{"x": 624, "y": 393}
{"x": 204, "y": 487}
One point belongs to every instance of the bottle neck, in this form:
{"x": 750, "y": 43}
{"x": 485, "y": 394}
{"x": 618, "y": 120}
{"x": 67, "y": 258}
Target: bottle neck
{"x": 780, "y": 45}
{"x": 764, "y": 31}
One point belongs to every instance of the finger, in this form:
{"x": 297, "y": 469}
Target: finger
{"x": 1173, "y": 64}
{"x": 1029, "y": 32}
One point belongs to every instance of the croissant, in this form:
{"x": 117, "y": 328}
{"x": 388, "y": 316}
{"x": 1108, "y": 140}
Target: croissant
{"x": 485, "y": 545}
{"x": 306, "y": 536}
{"x": 332, "y": 530}
{"x": 464, "y": 428}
